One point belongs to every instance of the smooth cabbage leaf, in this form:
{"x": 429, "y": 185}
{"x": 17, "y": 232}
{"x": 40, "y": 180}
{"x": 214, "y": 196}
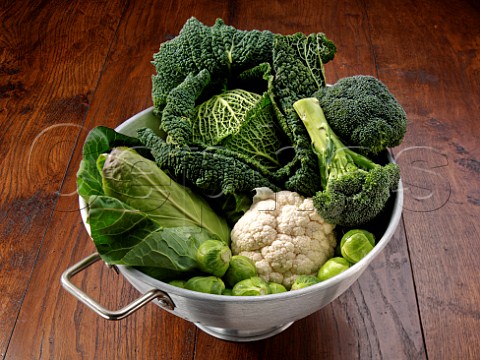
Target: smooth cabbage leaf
{"x": 101, "y": 139}
{"x": 137, "y": 215}
{"x": 142, "y": 185}
{"x": 125, "y": 236}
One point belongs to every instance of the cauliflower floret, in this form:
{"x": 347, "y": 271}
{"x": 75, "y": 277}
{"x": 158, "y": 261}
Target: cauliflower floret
{"x": 284, "y": 235}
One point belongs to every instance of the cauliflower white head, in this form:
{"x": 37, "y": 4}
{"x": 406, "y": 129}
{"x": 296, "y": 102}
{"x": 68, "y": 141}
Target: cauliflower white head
{"x": 284, "y": 235}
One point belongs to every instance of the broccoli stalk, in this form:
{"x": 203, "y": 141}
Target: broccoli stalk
{"x": 354, "y": 188}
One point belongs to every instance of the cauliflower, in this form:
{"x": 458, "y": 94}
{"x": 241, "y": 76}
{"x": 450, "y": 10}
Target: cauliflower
{"x": 284, "y": 235}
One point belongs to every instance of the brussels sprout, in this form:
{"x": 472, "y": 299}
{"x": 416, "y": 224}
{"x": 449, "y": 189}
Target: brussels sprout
{"x": 332, "y": 267}
{"x": 213, "y": 257}
{"x": 178, "y": 283}
{"x": 355, "y": 244}
{"x": 227, "y": 292}
{"x": 303, "y": 281}
{"x": 240, "y": 268}
{"x": 276, "y": 288}
{"x": 206, "y": 284}
{"x": 251, "y": 287}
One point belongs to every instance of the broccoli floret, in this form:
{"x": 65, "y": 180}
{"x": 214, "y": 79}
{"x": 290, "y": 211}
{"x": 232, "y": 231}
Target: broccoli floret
{"x": 363, "y": 113}
{"x": 354, "y": 188}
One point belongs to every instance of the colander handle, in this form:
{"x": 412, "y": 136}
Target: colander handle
{"x": 163, "y": 299}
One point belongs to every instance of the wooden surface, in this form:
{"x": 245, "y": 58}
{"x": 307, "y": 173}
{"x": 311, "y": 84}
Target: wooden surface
{"x": 68, "y": 66}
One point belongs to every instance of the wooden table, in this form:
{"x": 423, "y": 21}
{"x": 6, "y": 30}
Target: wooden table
{"x": 68, "y": 66}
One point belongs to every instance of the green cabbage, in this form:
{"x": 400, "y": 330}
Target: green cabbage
{"x": 141, "y": 184}
{"x": 222, "y": 115}
{"x": 138, "y": 215}
{"x": 204, "y": 90}
{"x": 241, "y": 122}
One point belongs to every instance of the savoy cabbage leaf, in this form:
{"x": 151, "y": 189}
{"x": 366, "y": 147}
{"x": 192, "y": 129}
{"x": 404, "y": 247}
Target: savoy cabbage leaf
{"x": 268, "y": 139}
{"x": 222, "y": 115}
{"x": 220, "y": 49}
{"x": 297, "y": 62}
{"x": 212, "y": 170}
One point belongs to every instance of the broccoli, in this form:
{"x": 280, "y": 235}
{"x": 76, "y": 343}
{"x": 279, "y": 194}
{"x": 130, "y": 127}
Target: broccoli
{"x": 363, "y": 113}
{"x": 354, "y": 189}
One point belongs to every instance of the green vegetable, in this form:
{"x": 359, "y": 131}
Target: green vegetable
{"x": 100, "y": 140}
{"x": 227, "y": 292}
{"x": 251, "y": 287}
{"x": 276, "y": 288}
{"x": 354, "y": 188}
{"x": 224, "y": 97}
{"x": 332, "y": 267}
{"x": 238, "y": 123}
{"x": 208, "y": 169}
{"x": 222, "y": 115}
{"x": 126, "y": 236}
{"x": 363, "y": 113}
{"x": 178, "y": 283}
{"x": 206, "y": 284}
{"x": 139, "y": 216}
{"x": 222, "y": 50}
{"x": 303, "y": 281}
{"x": 355, "y": 244}
{"x": 258, "y": 140}
{"x": 298, "y": 62}
{"x": 139, "y": 183}
{"x": 213, "y": 257}
{"x": 241, "y": 268}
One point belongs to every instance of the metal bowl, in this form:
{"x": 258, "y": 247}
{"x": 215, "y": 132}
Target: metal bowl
{"x": 229, "y": 317}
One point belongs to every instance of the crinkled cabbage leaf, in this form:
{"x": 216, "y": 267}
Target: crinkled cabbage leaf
{"x": 206, "y": 81}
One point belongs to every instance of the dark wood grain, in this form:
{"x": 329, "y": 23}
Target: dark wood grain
{"x": 66, "y": 67}
{"x": 123, "y": 90}
{"x": 438, "y": 81}
{"x": 48, "y": 74}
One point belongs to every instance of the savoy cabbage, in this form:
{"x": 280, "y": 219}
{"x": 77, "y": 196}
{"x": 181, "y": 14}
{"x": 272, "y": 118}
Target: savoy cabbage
{"x": 224, "y": 93}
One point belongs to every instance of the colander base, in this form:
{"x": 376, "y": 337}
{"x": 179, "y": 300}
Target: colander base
{"x": 243, "y": 335}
